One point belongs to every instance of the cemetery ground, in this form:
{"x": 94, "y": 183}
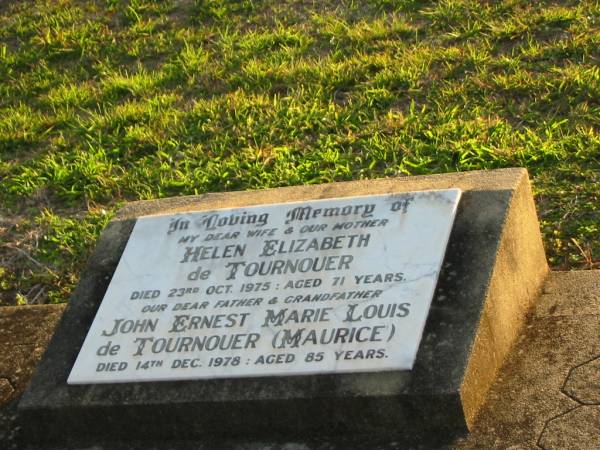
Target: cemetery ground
{"x": 103, "y": 102}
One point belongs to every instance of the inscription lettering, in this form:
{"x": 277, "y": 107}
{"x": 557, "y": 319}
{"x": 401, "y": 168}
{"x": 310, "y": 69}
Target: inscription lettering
{"x": 321, "y": 286}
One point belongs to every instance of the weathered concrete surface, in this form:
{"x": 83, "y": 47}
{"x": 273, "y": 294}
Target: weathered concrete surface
{"x": 546, "y": 395}
{"x": 494, "y": 268}
{"x": 24, "y": 335}
{"x": 583, "y": 383}
{"x": 568, "y": 294}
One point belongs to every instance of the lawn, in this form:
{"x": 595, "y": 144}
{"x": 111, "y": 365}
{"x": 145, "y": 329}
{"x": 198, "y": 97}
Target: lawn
{"x": 103, "y": 102}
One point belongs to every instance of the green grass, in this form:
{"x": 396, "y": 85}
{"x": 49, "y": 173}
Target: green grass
{"x": 108, "y": 101}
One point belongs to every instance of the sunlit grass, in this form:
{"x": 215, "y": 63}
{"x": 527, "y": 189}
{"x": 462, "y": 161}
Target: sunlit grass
{"x": 102, "y": 102}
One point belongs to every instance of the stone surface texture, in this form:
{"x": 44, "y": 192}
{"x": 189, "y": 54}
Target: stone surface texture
{"x": 495, "y": 258}
{"x": 7, "y": 392}
{"x": 412, "y": 243}
{"x": 24, "y": 335}
{"x": 529, "y": 406}
{"x": 577, "y": 428}
{"x": 583, "y": 383}
{"x": 546, "y": 395}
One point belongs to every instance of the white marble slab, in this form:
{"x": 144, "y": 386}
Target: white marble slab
{"x": 324, "y": 286}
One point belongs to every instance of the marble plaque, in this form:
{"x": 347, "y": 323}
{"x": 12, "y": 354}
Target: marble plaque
{"x": 324, "y": 286}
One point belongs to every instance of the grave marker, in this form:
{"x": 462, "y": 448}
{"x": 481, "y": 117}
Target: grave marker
{"x": 493, "y": 269}
{"x": 325, "y": 286}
